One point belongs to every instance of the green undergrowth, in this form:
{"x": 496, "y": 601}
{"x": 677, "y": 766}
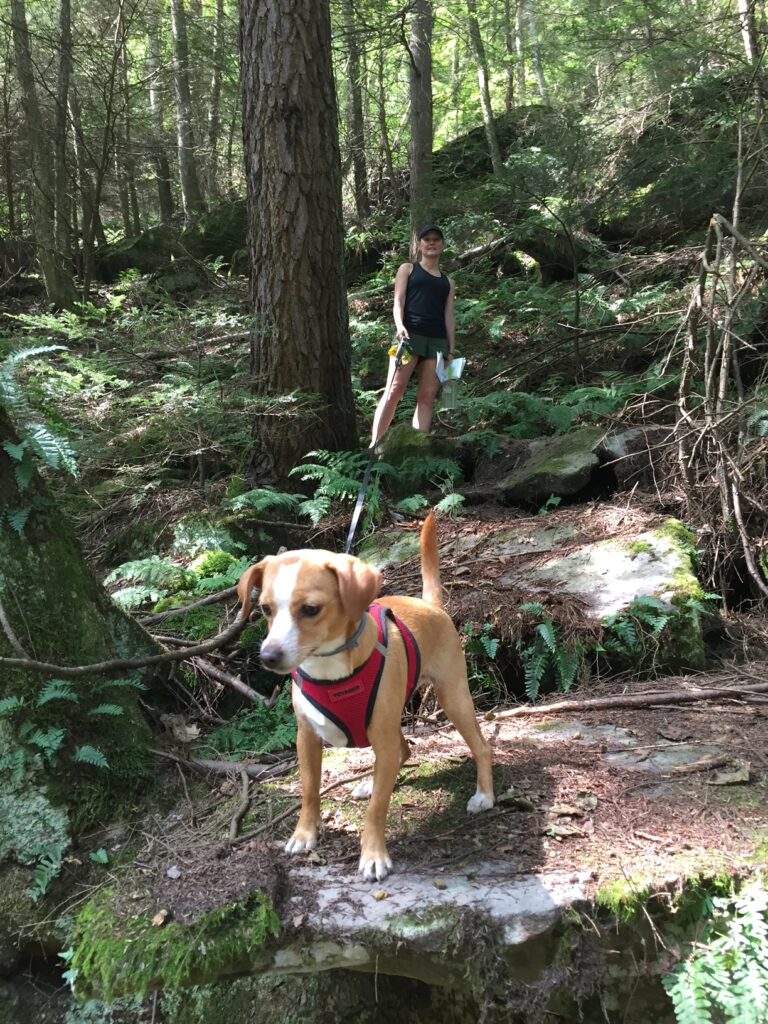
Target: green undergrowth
{"x": 113, "y": 955}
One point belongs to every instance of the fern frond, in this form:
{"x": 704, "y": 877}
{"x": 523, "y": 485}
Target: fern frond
{"x": 451, "y": 505}
{"x": 10, "y": 704}
{"x": 47, "y": 741}
{"x": 535, "y": 670}
{"x": 533, "y": 608}
{"x": 57, "y": 689}
{"x": 262, "y": 499}
{"x": 546, "y": 631}
{"x": 14, "y": 764}
{"x": 87, "y": 754}
{"x": 110, "y": 684}
{"x": 107, "y": 709}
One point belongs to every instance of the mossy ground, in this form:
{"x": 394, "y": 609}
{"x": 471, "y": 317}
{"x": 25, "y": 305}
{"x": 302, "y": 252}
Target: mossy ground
{"x": 114, "y": 954}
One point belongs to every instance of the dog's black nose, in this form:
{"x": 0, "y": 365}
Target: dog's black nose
{"x": 271, "y": 657}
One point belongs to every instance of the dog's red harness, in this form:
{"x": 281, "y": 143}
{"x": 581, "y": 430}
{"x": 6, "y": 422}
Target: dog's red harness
{"x": 349, "y": 702}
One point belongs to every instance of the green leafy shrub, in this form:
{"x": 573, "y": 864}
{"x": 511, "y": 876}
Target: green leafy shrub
{"x": 724, "y": 978}
{"x": 212, "y": 563}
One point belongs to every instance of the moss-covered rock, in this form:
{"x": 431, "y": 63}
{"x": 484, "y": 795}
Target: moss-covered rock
{"x": 417, "y": 459}
{"x": 118, "y": 953}
{"x": 557, "y": 466}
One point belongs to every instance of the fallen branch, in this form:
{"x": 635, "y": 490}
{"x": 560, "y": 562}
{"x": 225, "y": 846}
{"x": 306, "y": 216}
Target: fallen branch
{"x": 297, "y": 804}
{"x": 242, "y": 807}
{"x": 226, "y": 679}
{"x": 217, "y": 598}
{"x": 626, "y": 700}
{"x": 253, "y": 771}
{"x": 123, "y": 664}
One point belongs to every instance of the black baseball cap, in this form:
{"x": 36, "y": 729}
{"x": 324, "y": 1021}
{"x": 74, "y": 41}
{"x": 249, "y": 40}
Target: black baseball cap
{"x": 431, "y": 227}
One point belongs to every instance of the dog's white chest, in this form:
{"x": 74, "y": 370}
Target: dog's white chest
{"x": 323, "y": 726}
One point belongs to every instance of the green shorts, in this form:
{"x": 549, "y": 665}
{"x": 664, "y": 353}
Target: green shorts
{"x": 427, "y": 348}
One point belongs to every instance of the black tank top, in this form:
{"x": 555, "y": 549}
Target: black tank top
{"x": 425, "y": 299}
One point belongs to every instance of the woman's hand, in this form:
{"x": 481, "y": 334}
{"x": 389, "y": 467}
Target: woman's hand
{"x": 402, "y": 334}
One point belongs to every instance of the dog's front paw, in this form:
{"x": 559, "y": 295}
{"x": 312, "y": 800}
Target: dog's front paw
{"x": 301, "y": 840}
{"x": 480, "y": 802}
{"x": 375, "y": 867}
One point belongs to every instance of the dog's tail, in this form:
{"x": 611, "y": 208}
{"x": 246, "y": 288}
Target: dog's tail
{"x": 432, "y": 591}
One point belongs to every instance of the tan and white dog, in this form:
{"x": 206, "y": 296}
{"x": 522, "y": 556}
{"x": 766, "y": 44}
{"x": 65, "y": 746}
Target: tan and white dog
{"x": 316, "y": 606}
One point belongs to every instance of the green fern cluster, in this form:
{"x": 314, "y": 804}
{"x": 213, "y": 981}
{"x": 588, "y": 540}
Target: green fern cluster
{"x": 548, "y": 658}
{"x": 636, "y": 630}
{"x": 38, "y": 444}
{"x": 41, "y": 731}
{"x": 724, "y": 980}
{"x": 258, "y": 730}
{"x": 153, "y": 578}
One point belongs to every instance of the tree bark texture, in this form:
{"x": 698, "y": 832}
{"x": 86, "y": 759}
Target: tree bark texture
{"x": 300, "y": 337}
{"x": 420, "y": 48}
{"x": 191, "y": 195}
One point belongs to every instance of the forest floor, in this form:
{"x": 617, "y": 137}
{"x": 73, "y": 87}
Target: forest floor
{"x": 638, "y": 799}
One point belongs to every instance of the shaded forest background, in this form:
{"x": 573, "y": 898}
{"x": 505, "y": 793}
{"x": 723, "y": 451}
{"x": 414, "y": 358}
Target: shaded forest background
{"x": 202, "y": 208}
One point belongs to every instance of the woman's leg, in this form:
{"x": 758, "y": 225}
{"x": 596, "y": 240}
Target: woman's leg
{"x": 425, "y": 399}
{"x": 397, "y": 382}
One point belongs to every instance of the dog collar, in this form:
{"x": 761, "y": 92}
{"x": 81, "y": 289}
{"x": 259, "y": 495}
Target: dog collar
{"x": 353, "y": 641}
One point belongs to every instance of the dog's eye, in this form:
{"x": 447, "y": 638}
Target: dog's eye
{"x": 266, "y": 611}
{"x": 310, "y": 610}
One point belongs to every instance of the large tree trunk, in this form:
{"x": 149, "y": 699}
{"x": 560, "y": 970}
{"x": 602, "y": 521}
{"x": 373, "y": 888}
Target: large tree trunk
{"x": 355, "y": 118}
{"x": 420, "y": 48}
{"x": 57, "y": 278}
{"x": 191, "y": 195}
{"x": 159, "y": 156}
{"x": 53, "y": 610}
{"x": 300, "y": 339}
{"x": 485, "y": 96}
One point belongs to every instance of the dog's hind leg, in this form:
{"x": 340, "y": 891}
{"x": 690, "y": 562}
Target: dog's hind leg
{"x": 364, "y": 788}
{"x": 310, "y": 750}
{"x": 456, "y": 701}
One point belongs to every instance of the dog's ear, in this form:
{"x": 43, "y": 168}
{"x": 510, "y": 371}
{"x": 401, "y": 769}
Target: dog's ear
{"x": 251, "y": 578}
{"x": 359, "y": 583}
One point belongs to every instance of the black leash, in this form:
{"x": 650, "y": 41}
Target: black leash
{"x": 402, "y": 348}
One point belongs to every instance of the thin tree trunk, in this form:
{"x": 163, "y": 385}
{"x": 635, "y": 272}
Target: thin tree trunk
{"x": 382, "y": 108}
{"x": 520, "y": 49}
{"x": 159, "y": 156}
{"x": 59, "y": 285}
{"x": 533, "y": 34}
{"x": 8, "y": 132}
{"x": 191, "y": 195}
{"x": 130, "y": 163}
{"x": 485, "y": 96}
{"x": 509, "y": 66}
{"x": 355, "y": 119}
{"x": 61, "y": 200}
{"x": 214, "y": 105}
{"x": 300, "y": 339}
{"x": 420, "y": 51}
